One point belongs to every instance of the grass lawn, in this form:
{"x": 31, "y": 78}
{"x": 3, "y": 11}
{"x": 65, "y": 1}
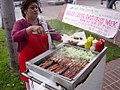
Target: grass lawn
{"x": 10, "y": 80}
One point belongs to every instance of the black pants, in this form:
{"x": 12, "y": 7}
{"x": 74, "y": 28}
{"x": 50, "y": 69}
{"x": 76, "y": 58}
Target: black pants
{"x": 40, "y": 10}
{"x": 110, "y": 3}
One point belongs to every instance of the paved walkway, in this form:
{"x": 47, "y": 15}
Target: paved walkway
{"x": 112, "y": 75}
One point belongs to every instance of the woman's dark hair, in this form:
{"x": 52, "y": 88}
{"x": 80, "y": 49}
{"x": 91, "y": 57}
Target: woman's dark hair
{"x": 25, "y": 4}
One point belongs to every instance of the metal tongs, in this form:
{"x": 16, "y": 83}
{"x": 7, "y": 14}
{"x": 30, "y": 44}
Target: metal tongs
{"x": 53, "y": 31}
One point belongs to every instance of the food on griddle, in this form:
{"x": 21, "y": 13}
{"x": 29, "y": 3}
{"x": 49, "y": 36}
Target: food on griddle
{"x": 68, "y": 61}
{"x": 46, "y": 64}
{"x": 62, "y": 70}
{"x": 53, "y": 67}
{"x": 77, "y": 70}
{"x": 65, "y": 66}
{"x": 78, "y": 53}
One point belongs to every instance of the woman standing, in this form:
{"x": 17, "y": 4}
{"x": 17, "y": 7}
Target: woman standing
{"x": 30, "y": 45}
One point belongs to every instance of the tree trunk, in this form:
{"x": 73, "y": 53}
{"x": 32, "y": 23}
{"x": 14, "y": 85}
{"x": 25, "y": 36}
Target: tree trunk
{"x": 8, "y": 16}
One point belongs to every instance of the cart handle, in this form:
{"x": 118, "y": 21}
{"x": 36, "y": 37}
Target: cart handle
{"x": 37, "y": 81}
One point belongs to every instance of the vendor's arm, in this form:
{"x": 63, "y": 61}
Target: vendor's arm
{"x": 19, "y": 32}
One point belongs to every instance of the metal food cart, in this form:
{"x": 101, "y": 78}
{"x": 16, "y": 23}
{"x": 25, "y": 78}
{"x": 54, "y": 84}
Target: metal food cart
{"x": 89, "y": 78}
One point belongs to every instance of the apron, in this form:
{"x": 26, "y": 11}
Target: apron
{"x": 37, "y": 44}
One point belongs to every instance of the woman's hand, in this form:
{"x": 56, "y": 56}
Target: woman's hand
{"x": 35, "y": 29}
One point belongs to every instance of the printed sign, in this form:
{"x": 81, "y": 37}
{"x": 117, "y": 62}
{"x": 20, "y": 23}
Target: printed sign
{"x": 101, "y": 21}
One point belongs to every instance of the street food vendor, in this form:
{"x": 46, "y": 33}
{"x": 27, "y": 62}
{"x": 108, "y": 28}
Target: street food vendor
{"x": 29, "y": 45}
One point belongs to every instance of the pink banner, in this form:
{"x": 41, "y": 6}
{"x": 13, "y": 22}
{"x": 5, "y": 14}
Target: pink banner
{"x": 101, "y": 21}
